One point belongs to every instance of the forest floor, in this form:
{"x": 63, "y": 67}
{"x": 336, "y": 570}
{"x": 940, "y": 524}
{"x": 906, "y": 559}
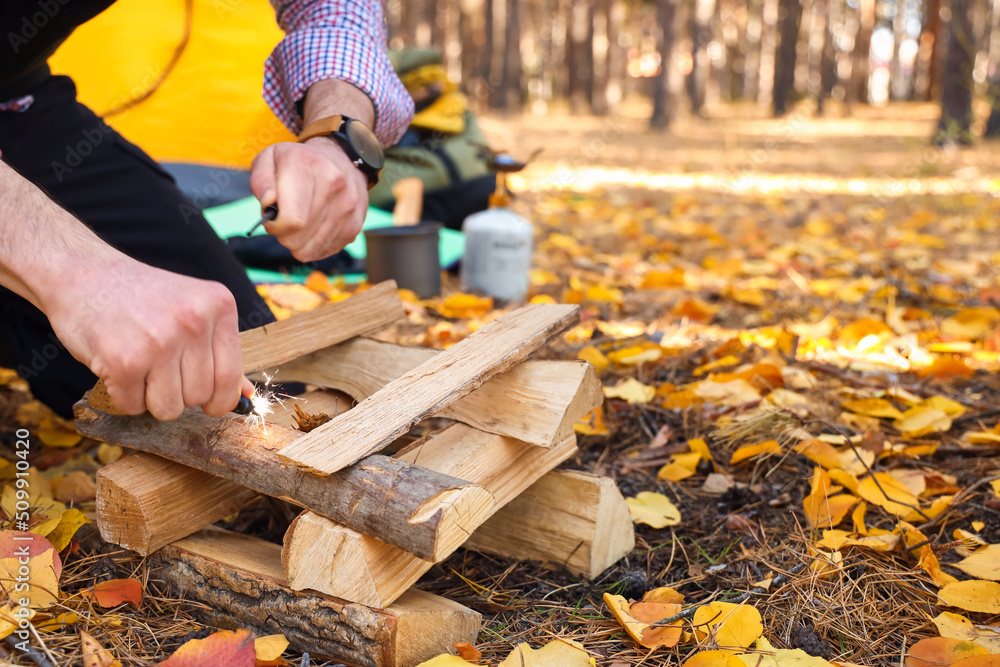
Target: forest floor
{"x": 814, "y": 299}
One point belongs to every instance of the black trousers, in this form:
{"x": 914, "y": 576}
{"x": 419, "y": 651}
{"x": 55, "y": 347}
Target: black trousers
{"x": 128, "y": 200}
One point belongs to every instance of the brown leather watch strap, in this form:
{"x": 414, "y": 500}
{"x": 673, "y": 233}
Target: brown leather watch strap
{"x": 321, "y": 127}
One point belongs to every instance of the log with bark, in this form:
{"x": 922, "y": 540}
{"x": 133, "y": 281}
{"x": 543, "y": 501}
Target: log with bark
{"x": 241, "y": 585}
{"x": 419, "y": 510}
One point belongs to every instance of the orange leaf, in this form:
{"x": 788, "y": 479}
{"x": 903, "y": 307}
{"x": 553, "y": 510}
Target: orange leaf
{"x": 824, "y": 512}
{"x": 114, "y": 592}
{"x": 222, "y": 649}
{"x": 819, "y": 452}
{"x": 936, "y": 651}
{"x": 749, "y": 451}
{"x": 695, "y": 310}
{"x": 948, "y": 366}
{"x": 468, "y": 652}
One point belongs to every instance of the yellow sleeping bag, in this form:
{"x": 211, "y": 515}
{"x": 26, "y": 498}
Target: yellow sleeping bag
{"x": 208, "y": 110}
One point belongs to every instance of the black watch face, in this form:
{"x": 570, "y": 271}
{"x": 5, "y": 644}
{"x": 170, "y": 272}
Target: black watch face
{"x": 364, "y": 142}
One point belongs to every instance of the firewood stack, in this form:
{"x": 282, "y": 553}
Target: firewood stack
{"x": 342, "y": 584}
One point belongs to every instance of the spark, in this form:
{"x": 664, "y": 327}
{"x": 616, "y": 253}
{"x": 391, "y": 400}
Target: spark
{"x": 264, "y": 401}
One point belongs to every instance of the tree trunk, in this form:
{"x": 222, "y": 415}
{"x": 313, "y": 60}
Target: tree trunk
{"x": 666, "y": 12}
{"x": 993, "y": 72}
{"x": 432, "y": 17}
{"x": 790, "y": 19}
{"x": 751, "y": 49}
{"x": 928, "y": 75}
{"x": 768, "y": 42}
{"x": 486, "y": 90}
{"x": 956, "y": 78}
{"x": 700, "y": 26}
{"x": 468, "y": 42}
{"x": 733, "y": 19}
{"x": 827, "y": 56}
{"x": 509, "y": 91}
{"x": 580, "y": 55}
{"x": 602, "y": 56}
{"x": 857, "y": 90}
{"x": 897, "y": 82}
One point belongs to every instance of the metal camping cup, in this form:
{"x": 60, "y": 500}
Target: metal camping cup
{"x": 408, "y": 251}
{"x": 407, "y": 254}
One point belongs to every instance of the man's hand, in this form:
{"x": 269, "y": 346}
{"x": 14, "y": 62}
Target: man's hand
{"x": 160, "y": 341}
{"x": 322, "y": 198}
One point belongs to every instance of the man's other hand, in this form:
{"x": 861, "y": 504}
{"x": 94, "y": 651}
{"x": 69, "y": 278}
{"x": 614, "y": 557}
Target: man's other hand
{"x": 322, "y": 198}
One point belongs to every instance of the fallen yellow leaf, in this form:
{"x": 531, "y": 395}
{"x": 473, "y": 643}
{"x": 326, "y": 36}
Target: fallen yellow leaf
{"x": 680, "y": 466}
{"x": 713, "y": 659}
{"x": 899, "y": 502}
{"x": 826, "y": 512}
{"x": 957, "y": 626}
{"x": 984, "y": 564}
{"x": 768, "y": 656}
{"x": 631, "y": 390}
{"x": 972, "y": 322}
{"x": 269, "y": 649}
{"x": 95, "y": 655}
{"x": 653, "y": 509}
{"x": 873, "y": 407}
{"x": 731, "y": 626}
{"x": 595, "y": 357}
{"x": 972, "y": 595}
{"x": 558, "y": 653}
{"x": 734, "y": 392}
{"x": 42, "y": 584}
{"x": 919, "y": 421}
{"x": 819, "y": 452}
{"x": 69, "y": 523}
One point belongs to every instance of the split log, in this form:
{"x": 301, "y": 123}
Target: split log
{"x": 567, "y": 518}
{"x": 428, "y": 388}
{"x": 325, "y": 556}
{"x": 278, "y": 342}
{"x": 145, "y": 502}
{"x": 536, "y": 401}
{"x": 240, "y": 580}
{"x": 430, "y": 514}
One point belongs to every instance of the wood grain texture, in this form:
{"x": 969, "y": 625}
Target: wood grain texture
{"x": 429, "y": 388}
{"x": 145, "y": 502}
{"x": 273, "y": 344}
{"x": 536, "y": 401}
{"x": 420, "y": 510}
{"x": 322, "y": 555}
{"x": 567, "y": 518}
{"x": 240, "y": 582}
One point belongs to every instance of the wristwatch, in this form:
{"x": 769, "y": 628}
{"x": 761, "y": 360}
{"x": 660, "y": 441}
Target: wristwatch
{"x": 357, "y": 140}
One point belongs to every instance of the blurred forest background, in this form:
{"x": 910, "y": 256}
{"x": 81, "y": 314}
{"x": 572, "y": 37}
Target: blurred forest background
{"x": 687, "y": 56}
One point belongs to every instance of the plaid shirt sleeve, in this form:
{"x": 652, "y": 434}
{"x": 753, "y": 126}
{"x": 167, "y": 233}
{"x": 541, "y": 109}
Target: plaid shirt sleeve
{"x": 335, "y": 39}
